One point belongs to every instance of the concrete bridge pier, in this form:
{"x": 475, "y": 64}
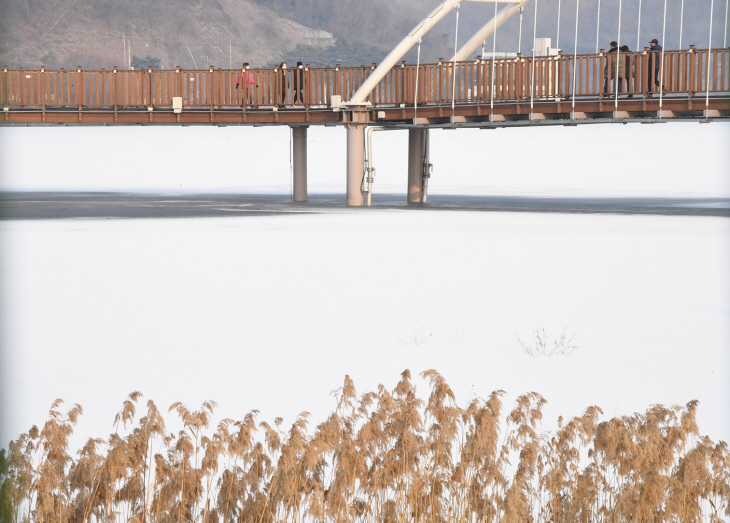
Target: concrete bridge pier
{"x": 416, "y": 159}
{"x": 356, "y": 157}
{"x": 299, "y": 159}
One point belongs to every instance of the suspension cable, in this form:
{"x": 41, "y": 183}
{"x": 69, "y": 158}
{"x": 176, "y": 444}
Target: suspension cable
{"x": 598, "y": 24}
{"x": 494, "y": 63}
{"x": 616, "y": 80}
{"x": 557, "y": 38}
{"x": 453, "y": 65}
{"x": 709, "y": 63}
{"x": 456, "y": 31}
{"x": 418, "y": 68}
{"x": 519, "y": 43}
{"x": 638, "y": 31}
{"x": 575, "y": 56}
{"x": 532, "y": 83}
{"x": 681, "y": 24}
{"x": 661, "y": 63}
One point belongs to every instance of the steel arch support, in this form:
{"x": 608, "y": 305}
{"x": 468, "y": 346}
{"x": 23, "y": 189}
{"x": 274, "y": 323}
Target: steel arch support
{"x": 423, "y": 27}
{"x": 487, "y": 30}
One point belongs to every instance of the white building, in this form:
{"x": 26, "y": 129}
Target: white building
{"x": 543, "y": 47}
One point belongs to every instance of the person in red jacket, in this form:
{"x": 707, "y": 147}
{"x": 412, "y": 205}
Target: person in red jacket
{"x": 244, "y": 81}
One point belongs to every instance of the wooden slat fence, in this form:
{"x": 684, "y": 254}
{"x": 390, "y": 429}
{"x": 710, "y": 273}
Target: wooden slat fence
{"x": 684, "y": 73}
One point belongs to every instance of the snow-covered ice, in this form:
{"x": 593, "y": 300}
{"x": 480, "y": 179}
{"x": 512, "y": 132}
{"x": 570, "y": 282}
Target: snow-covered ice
{"x": 270, "y": 313}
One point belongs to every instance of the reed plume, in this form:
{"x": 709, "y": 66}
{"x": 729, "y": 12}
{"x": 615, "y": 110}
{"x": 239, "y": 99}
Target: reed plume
{"x": 383, "y": 456}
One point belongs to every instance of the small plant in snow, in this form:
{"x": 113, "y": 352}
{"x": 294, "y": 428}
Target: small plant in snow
{"x": 417, "y": 338}
{"x": 542, "y": 345}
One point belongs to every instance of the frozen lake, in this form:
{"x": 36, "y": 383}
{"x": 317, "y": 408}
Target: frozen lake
{"x": 270, "y": 312}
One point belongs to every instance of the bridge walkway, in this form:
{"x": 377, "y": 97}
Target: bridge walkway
{"x": 521, "y": 90}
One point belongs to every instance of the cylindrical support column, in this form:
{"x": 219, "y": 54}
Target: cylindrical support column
{"x": 299, "y": 157}
{"x": 415, "y": 164}
{"x": 355, "y": 163}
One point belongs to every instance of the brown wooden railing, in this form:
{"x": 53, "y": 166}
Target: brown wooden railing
{"x": 684, "y": 73}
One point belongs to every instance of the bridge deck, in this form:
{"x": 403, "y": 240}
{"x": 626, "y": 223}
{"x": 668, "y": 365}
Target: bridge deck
{"x": 516, "y": 91}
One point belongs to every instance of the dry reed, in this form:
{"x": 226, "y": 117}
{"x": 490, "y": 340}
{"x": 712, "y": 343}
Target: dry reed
{"x": 385, "y": 456}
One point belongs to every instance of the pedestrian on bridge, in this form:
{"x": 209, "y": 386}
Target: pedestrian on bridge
{"x": 629, "y": 69}
{"x": 299, "y": 84}
{"x": 244, "y": 81}
{"x": 284, "y": 84}
{"x": 609, "y": 70}
{"x": 655, "y": 59}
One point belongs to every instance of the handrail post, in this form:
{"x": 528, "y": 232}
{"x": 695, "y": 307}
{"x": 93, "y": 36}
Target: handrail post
{"x": 338, "y": 80}
{"x": 646, "y": 80}
{"x": 375, "y": 93}
{"x": 209, "y": 86}
{"x": 6, "y": 105}
{"x": 177, "y": 90}
{"x": 63, "y": 95}
{"x": 115, "y": 87}
{"x": 692, "y": 69}
{"x": 5, "y": 89}
{"x": 276, "y": 82}
{"x": 79, "y": 90}
{"x": 602, "y": 78}
{"x": 400, "y": 91}
{"x": 22, "y": 88}
{"x": 559, "y": 76}
{"x": 406, "y": 83}
{"x": 307, "y": 86}
{"x": 149, "y": 101}
{"x": 44, "y": 92}
{"x": 692, "y": 72}
{"x": 477, "y": 79}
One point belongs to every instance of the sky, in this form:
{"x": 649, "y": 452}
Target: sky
{"x": 270, "y": 313}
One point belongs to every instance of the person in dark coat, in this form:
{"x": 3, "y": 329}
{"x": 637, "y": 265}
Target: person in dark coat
{"x": 655, "y": 59}
{"x": 628, "y": 68}
{"x": 299, "y": 84}
{"x": 284, "y": 84}
{"x": 609, "y": 70}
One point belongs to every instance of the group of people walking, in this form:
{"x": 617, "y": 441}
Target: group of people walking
{"x": 284, "y": 81}
{"x": 620, "y": 65}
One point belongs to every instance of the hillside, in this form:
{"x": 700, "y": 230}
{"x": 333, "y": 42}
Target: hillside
{"x": 190, "y": 33}
{"x": 93, "y": 33}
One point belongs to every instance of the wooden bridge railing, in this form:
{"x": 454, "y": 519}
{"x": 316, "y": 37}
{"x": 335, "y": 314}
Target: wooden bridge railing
{"x": 473, "y": 82}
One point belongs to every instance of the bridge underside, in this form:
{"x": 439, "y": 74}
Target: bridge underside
{"x": 463, "y": 115}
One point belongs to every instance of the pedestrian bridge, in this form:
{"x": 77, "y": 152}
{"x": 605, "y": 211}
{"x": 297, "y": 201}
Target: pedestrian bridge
{"x": 555, "y": 89}
{"x": 482, "y": 93}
